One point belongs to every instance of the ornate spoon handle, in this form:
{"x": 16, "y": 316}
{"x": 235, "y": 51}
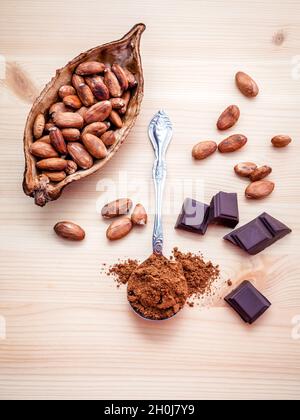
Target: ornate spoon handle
{"x": 160, "y": 133}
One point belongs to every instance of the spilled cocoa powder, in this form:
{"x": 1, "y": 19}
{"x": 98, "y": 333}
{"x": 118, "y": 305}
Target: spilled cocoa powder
{"x": 123, "y": 270}
{"x": 200, "y": 275}
{"x": 157, "y": 289}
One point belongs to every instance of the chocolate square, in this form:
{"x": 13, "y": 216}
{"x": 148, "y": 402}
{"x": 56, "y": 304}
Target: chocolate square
{"x": 258, "y": 234}
{"x": 224, "y": 209}
{"x": 248, "y": 302}
{"x": 193, "y": 217}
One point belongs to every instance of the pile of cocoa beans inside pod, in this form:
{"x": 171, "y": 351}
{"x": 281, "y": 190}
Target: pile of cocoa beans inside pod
{"x": 81, "y": 126}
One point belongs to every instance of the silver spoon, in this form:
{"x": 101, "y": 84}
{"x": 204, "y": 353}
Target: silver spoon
{"x": 160, "y": 133}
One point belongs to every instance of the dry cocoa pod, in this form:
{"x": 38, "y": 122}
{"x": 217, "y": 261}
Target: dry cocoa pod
{"x": 115, "y": 119}
{"x": 119, "y": 228}
{"x": 120, "y": 75}
{"x": 71, "y": 167}
{"x": 232, "y": 143}
{"x": 52, "y": 164}
{"x": 139, "y": 215}
{"x": 43, "y": 150}
{"x": 85, "y": 95}
{"x": 246, "y": 84}
{"x": 71, "y": 134}
{"x": 58, "y": 141}
{"x": 68, "y": 120}
{"x": 56, "y": 176}
{"x": 228, "y": 117}
{"x": 45, "y": 139}
{"x": 260, "y": 173}
{"x": 117, "y": 103}
{"x": 126, "y": 53}
{"x": 259, "y": 189}
{"x": 281, "y": 140}
{"x": 204, "y": 149}
{"x": 66, "y": 90}
{"x": 126, "y": 98}
{"x": 72, "y": 101}
{"x": 39, "y": 126}
{"x": 94, "y": 146}
{"x": 80, "y": 155}
{"x": 82, "y": 111}
{"x": 77, "y": 81}
{"x": 90, "y": 67}
{"x": 57, "y": 107}
{"x": 116, "y": 208}
{"x": 132, "y": 82}
{"x": 112, "y": 83}
{"x": 70, "y": 231}
{"x": 245, "y": 169}
{"x": 96, "y": 128}
{"x": 108, "y": 138}
{"x": 98, "y": 87}
{"x": 98, "y": 112}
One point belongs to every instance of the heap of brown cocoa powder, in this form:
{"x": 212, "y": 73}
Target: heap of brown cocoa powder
{"x": 199, "y": 274}
{"x": 157, "y": 289}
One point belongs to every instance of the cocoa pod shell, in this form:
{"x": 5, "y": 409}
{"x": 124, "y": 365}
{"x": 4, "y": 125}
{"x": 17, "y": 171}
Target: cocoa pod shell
{"x": 125, "y": 52}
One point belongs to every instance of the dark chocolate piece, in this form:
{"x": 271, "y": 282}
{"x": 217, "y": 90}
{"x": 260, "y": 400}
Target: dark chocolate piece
{"x": 248, "y": 302}
{"x": 258, "y": 234}
{"x": 224, "y": 209}
{"x": 193, "y": 217}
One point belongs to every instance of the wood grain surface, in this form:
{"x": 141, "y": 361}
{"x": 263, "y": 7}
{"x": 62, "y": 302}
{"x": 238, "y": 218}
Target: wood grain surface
{"x": 69, "y": 331}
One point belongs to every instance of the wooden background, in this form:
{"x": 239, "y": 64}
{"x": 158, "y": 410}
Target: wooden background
{"x": 70, "y": 333}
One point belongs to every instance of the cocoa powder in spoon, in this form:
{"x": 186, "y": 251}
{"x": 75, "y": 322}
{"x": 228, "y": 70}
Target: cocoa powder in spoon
{"x": 157, "y": 289}
{"x": 199, "y": 275}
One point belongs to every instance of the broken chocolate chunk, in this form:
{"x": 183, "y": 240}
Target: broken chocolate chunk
{"x": 258, "y": 234}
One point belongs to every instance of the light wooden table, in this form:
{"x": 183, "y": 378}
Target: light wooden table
{"x": 70, "y": 333}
